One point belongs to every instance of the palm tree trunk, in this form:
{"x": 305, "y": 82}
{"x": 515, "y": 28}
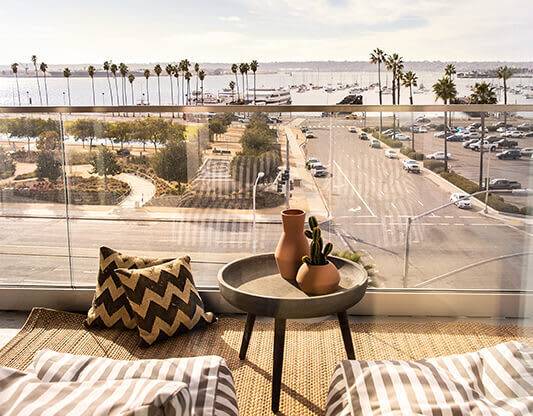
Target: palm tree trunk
{"x": 116, "y": 88}
{"x": 196, "y": 89}
{"x": 68, "y": 89}
{"x": 393, "y": 91}
{"x": 38, "y": 84}
{"x": 505, "y": 102}
{"x": 380, "y": 100}
{"x": 159, "y": 92}
{"x": 171, "y": 93}
{"x": 147, "y": 92}
{"x": 243, "y": 87}
{"x": 411, "y": 94}
{"x": 254, "y": 87}
{"x": 110, "y": 89}
{"x": 94, "y": 97}
{"x": 18, "y": 88}
{"x": 178, "y": 91}
{"x": 237, "y": 85}
{"x": 183, "y": 89}
{"x": 45, "y": 87}
{"x": 202, "y": 87}
{"x": 445, "y": 140}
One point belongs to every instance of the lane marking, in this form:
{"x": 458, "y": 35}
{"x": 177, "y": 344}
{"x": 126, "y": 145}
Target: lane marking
{"x": 382, "y": 193}
{"x": 353, "y": 188}
{"x": 419, "y": 202}
{"x": 394, "y": 206}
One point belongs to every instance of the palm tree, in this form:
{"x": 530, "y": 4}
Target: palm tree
{"x": 484, "y": 93}
{"x": 242, "y": 70}
{"x": 176, "y": 72}
{"x": 106, "y": 69}
{"x": 504, "y": 73}
{"x": 43, "y": 67}
{"x": 91, "y": 70}
{"x": 15, "y": 69}
{"x": 147, "y": 75}
{"x": 184, "y": 67}
{"x": 234, "y": 69}
{"x": 450, "y": 71}
{"x": 131, "y": 78}
{"x": 232, "y": 86}
{"x": 201, "y": 75}
{"x": 410, "y": 80}
{"x": 197, "y": 70}
{"x": 188, "y": 77}
{"x": 395, "y": 64}
{"x": 253, "y": 67}
{"x": 377, "y": 57}
{"x": 123, "y": 69}
{"x": 169, "y": 70}
{"x": 246, "y": 69}
{"x": 34, "y": 60}
{"x": 67, "y": 74}
{"x": 114, "y": 69}
{"x": 445, "y": 89}
{"x": 158, "y": 70}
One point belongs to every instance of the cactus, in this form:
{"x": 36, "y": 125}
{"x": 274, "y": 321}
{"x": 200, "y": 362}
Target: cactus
{"x": 318, "y": 252}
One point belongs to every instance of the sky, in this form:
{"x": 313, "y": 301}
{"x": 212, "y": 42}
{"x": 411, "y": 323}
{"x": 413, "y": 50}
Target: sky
{"x": 60, "y": 31}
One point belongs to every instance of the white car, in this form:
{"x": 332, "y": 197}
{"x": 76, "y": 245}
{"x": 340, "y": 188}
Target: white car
{"x": 439, "y": 134}
{"x": 402, "y": 137}
{"x": 391, "y": 154}
{"x": 438, "y": 156}
{"x": 527, "y": 151}
{"x": 310, "y": 162}
{"x": 461, "y": 200}
{"x": 411, "y": 165}
{"x": 318, "y": 169}
{"x": 352, "y": 129}
{"x": 422, "y": 129}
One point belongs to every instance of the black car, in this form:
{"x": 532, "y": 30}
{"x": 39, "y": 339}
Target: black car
{"x": 504, "y": 184}
{"x": 507, "y": 143}
{"x": 509, "y": 154}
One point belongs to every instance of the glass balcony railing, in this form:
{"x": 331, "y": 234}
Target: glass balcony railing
{"x": 162, "y": 181}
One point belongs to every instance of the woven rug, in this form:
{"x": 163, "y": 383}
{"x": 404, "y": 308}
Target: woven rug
{"x": 311, "y": 350}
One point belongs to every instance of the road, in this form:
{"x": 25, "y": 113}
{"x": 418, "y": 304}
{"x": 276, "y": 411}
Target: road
{"x": 371, "y": 196}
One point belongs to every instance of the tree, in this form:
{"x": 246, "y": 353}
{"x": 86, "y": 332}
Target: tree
{"x": 34, "y": 60}
{"x": 146, "y": 74}
{"x": 67, "y": 74}
{"x": 484, "y": 93}
{"x": 201, "y": 75}
{"x": 232, "y": 87}
{"x": 123, "y": 69}
{"x": 395, "y": 64}
{"x": 104, "y": 163}
{"x": 91, "y": 70}
{"x": 114, "y": 69}
{"x": 216, "y": 127}
{"x": 43, "y": 67}
{"x": 234, "y": 69}
{"x": 377, "y": 57}
{"x": 15, "y": 69}
{"x": 258, "y": 137}
{"x": 7, "y": 166}
{"x": 170, "y": 163}
{"x": 410, "y": 80}
{"x": 184, "y": 67}
{"x": 48, "y": 140}
{"x": 188, "y": 77}
{"x": 450, "y": 71}
{"x": 253, "y": 66}
{"x": 157, "y": 71}
{"x": 445, "y": 89}
{"x": 84, "y": 129}
{"x": 170, "y": 69}
{"x": 243, "y": 69}
{"x": 120, "y": 132}
{"x": 48, "y": 165}
{"x": 131, "y": 78}
{"x": 197, "y": 70}
{"x": 106, "y": 69}
{"x": 504, "y": 73}
{"x": 176, "y": 72}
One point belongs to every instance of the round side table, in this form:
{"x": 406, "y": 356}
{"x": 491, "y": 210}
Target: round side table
{"x": 254, "y": 285}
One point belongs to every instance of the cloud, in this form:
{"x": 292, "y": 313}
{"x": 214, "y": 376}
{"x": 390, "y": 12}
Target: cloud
{"x": 230, "y": 18}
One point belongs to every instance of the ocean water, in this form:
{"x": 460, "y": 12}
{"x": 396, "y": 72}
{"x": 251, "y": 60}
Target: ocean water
{"x": 81, "y": 90}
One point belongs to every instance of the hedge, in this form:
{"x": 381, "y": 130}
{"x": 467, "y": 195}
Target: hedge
{"x": 416, "y": 156}
{"x": 433, "y": 164}
{"x": 460, "y": 181}
{"x": 397, "y": 144}
{"x": 526, "y": 210}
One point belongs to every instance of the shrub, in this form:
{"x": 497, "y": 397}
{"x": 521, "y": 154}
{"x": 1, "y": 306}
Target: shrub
{"x": 460, "y": 181}
{"x": 397, "y": 144}
{"x": 499, "y": 204}
{"x": 526, "y": 210}
{"x": 438, "y": 171}
{"x": 433, "y": 164}
{"x": 411, "y": 155}
{"x": 78, "y": 158}
{"x": 27, "y": 175}
{"x": 368, "y": 129}
{"x": 7, "y": 167}
{"x": 170, "y": 163}
{"x": 406, "y": 150}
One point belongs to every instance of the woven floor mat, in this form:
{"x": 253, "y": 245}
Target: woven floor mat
{"x": 311, "y": 350}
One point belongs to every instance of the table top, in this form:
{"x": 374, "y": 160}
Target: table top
{"x": 254, "y": 285}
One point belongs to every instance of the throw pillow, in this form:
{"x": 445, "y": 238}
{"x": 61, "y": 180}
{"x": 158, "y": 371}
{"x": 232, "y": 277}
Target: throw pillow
{"x": 164, "y": 299}
{"x": 110, "y": 307}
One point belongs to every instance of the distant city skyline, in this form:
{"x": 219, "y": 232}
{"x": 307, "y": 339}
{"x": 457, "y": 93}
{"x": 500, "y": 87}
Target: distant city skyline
{"x": 266, "y": 30}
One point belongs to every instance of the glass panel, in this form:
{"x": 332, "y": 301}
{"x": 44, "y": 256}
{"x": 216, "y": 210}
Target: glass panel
{"x": 33, "y": 233}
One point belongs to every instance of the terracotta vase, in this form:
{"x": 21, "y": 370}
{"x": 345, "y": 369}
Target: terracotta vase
{"x": 318, "y": 279}
{"x": 293, "y": 244}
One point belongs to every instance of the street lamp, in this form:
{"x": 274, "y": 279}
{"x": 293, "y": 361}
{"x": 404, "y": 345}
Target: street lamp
{"x": 259, "y": 176}
{"x": 64, "y": 101}
{"x": 103, "y": 98}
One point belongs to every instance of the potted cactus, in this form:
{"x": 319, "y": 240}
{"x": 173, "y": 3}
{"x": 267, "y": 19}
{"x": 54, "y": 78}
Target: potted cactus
{"x": 317, "y": 275}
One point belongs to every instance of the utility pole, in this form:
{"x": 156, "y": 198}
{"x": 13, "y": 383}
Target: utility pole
{"x": 288, "y": 185}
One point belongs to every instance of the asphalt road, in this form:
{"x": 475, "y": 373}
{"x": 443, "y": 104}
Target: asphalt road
{"x": 371, "y": 196}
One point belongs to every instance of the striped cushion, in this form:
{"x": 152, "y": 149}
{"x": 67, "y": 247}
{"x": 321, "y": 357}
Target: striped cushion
{"x": 23, "y": 394}
{"x": 208, "y": 378}
{"x": 164, "y": 300}
{"x": 493, "y": 381}
{"x": 110, "y": 307}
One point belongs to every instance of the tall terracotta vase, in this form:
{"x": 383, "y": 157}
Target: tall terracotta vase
{"x": 293, "y": 244}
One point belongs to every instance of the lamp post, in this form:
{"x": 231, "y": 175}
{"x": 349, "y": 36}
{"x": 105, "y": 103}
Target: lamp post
{"x": 103, "y": 98}
{"x": 64, "y": 99}
{"x": 259, "y": 176}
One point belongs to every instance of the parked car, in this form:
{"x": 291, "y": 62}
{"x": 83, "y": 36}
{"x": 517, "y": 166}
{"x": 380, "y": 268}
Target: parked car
{"x": 363, "y": 136}
{"x": 244, "y": 120}
{"x": 352, "y": 116}
{"x": 492, "y": 147}
{"x": 439, "y": 134}
{"x": 525, "y": 126}
{"x": 473, "y": 135}
{"x": 468, "y": 143}
{"x": 393, "y": 133}
{"x": 310, "y": 162}
{"x": 318, "y": 170}
{"x": 309, "y": 135}
{"x": 509, "y": 154}
{"x": 504, "y": 184}
{"x": 375, "y": 143}
{"x": 438, "y": 156}
{"x": 391, "y": 154}
{"x": 402, "y": 137}
{"x": 499, "y": 124}
{"x": 492, "y": 139}
{"x": 515, "y": 134}
{"x": 530, "y": 134}
{"x": 411, "y": 165}
{"x": 423, "y": 119}
{"x": 123, "y": 152}
{"x": 461, "y": 200}
{"x": 352, "y": 129}
{"x": 506, "y": 143}
{"x": 422, "y": 129}
{"x": 455, "y": 138}
{"x": 526, "y": 151}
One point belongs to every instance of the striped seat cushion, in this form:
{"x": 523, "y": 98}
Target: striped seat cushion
{"x": 493, "y": 381}
{"x": 23, "y": 394}
{"x": 208, "y": 378}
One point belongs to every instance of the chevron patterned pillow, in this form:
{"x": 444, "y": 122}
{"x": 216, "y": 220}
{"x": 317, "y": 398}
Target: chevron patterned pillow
{"x": 164, "y": 300}
{"x": 110, "y": 307}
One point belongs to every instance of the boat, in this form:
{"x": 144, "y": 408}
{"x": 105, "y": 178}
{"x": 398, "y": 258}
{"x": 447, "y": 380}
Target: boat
{"x": 529, "y": 96}
{"x": 270, "y": 96}
{"x": 329, "y": 89}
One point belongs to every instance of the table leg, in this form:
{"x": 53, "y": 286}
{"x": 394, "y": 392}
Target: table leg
{"x": 346, "y": 334}
{"x": 248, "y": 327}
{"x": 279, "y": 345}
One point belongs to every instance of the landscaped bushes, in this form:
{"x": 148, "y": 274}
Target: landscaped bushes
{"x": 460, "y": 181}
{"x": 27, "y": 175}
{"x": 397, "y": 144}
{"x": 415, "y": 155}
{"x": 433, "y": 164}
{"x": 526, "y": 210}
{"x": 7, "y": 167}
{"x": 78, "y": 158}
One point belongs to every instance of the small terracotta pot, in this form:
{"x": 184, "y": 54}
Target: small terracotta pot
{"x": 293, "y": 244}
{"x": 318, "y": 279}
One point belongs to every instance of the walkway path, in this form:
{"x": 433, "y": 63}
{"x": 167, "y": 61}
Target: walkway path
{"x": 142, "y": 190}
